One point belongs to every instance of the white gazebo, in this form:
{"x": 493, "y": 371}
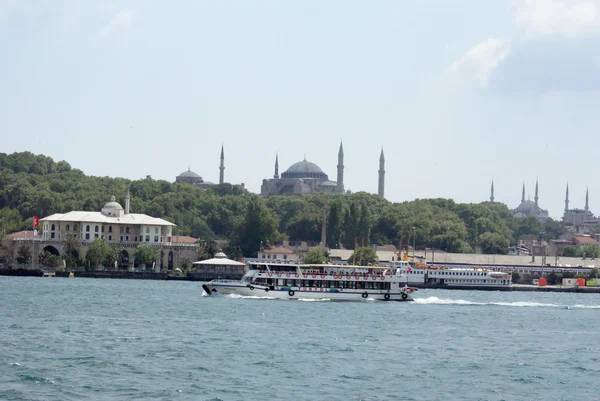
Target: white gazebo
{"x": 218, "y": 267}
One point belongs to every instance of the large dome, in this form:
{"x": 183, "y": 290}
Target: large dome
{"x": 304, "y": 169}
{"x": 113, "y": 204}
{"x": 526, "y": 206}
{"x": 188, "y": 174}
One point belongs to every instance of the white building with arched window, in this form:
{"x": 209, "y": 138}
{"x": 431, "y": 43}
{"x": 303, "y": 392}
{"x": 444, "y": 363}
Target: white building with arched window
{"x": 112, "y": 223}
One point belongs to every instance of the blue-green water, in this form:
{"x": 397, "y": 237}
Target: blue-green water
{"x": 74, "y": 339}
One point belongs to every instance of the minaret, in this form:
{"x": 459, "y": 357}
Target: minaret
{"x": 127, "y": 198}
{"x": 222, "y": 168}
{"x": 340, "y": 169}
{"x": 492, "y": 192}
{"x": 567, "y": 199}
{"x": 381, "y": 187}
{"x": 523, "y": 196}
{"x": 587, "y": 199}
{"x": 276, "y": 175}
{"x": 536, "y": 193}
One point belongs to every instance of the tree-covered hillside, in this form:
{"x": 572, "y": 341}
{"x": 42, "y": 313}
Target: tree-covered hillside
{"x": 36, "y": 185}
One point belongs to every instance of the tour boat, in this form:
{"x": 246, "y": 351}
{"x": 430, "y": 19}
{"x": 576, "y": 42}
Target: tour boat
{"x": 466, "y": 277}
{"x": 333, "y": 282}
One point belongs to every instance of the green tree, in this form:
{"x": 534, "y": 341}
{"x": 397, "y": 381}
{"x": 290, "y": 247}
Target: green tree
{"x": 71, "y": 246}
{"x": 146, "y": 254}
{"x": 364, "y": 256}
{"x": 493, "y": 243}
{"x": 316, "y": 256}
{"x": 335, "y": 222}
{"x": 258, "y": 225}
{"x": 591, "y": 251}
{"x": 101, "y": 252}
{"x": 24, "y": 254}
{"x": 572, "y": 252}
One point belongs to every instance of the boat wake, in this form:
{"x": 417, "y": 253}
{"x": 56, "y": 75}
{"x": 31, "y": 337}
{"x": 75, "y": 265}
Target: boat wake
{"x": 237, "y": 296}
{"x": 518, "y": 304}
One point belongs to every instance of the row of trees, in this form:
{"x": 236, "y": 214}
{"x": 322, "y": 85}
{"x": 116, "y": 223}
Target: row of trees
{"x": 36, "y": 185}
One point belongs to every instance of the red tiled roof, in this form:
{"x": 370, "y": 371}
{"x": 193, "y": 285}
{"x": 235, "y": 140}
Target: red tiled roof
{"x": 20, "y": 234}
{"x": 584, "y": 239}
{"x": 278, "y": 249}
{"x": 184, "y": 239}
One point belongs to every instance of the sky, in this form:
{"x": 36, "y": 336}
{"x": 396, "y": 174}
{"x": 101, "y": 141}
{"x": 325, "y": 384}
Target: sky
{"x": 457, "y": 93}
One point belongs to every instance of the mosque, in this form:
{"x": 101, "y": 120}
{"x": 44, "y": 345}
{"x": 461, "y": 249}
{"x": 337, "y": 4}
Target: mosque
{"x": 305, "y": 177}
{"x": 579, "y": 220}
{"x": 192, "y": 178}
{"x": 527, "y": 207}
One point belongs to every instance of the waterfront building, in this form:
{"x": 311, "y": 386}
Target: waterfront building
{"x": 527, "y": 207}
{"x": 219, "y": 266}
{"x": 125, "y": 230}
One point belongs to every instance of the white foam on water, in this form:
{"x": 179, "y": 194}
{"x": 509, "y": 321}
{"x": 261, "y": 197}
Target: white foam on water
{"x": 238, "y": 296}
{"x": 517, "y": 304}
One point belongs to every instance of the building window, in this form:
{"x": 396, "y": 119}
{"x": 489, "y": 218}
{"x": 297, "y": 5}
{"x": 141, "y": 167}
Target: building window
{"x": 121, "y": 230}
{"x": 87, "y": 236}
{"x": 135, "y": 239}
{"x": 74, "y": 227}
{"x": 147, "y": 230}
{"x": 147, "y": 238}
{"x": 155, "y": 230}
{"x": 110, "y": 229}
{"x": 110, "y": 237}
{"x": 102, "y": 228}
{"x": 52, "y": 227}
{"x": 87, "y": 229}
{"x": 96, "y": 229}
{"x": 67, "y": 228}
{"x": 95, "y": 235}
{"x": 121, "y": 238}
{"x": 126, "y": 230}
{"x": 285, "y": 256}
{"x": 52, "y": 235}
{"x": 168, "y": 239}
{"x": 127, "y": 238}
{"x": 156, "y": 238}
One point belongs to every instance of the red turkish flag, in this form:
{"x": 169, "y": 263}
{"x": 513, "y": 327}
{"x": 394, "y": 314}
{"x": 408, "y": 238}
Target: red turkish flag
{"x": 36, "y": 221}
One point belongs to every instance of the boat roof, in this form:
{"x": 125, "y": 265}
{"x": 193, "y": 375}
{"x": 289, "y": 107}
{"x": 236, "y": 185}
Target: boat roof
{"x": 328, "y": 265}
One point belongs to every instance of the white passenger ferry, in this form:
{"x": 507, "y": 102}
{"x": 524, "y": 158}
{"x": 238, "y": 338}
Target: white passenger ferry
{"x": 434, "y": 276}
{"x": 334, "y": 282}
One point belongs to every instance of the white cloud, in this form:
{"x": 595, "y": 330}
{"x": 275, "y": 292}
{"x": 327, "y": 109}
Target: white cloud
{"x": 569, "y": 18}
{"x": 480, "y": 61}
{"x": 553, "y": 47}
{"x": 123, "y": 18}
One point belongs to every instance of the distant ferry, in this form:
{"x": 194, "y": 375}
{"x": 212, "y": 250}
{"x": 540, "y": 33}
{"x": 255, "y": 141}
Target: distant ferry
{"x": 334, "y": 282}
{"x": 434, "y": 276}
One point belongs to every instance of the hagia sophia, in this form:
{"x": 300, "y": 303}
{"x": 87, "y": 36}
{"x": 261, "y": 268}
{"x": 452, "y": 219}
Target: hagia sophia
{"x": 301, "y": 178}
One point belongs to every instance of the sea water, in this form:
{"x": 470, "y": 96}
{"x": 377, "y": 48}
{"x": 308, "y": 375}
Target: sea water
{"x": 74, "y": 339}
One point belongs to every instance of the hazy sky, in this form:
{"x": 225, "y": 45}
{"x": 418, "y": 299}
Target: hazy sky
{"x": 456, "y": 92}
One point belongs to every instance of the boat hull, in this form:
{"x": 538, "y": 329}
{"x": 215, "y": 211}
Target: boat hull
{"x": 299, "y": 293}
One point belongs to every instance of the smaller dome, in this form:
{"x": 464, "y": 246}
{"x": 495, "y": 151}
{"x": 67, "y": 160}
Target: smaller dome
{"x": 189, "y": 173}
{"x": 220, "y": 255}
{"x": 113, "y": 204}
